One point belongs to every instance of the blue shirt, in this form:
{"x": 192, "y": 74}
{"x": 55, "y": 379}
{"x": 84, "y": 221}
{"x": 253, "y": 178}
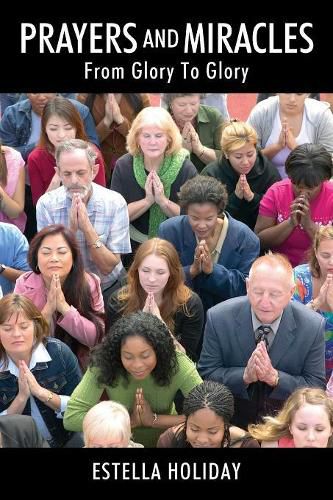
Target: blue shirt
{"x": 13, "y": 253}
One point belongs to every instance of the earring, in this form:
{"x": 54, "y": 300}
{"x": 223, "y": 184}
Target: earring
{"x": 37, "y": 268}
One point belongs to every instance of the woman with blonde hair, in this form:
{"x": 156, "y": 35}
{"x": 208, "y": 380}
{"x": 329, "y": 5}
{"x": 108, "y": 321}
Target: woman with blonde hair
{"x": 305, "y": 421}
{"x": 314, "y": 286}
{"x": 244, "y": 170}
{"x": 156, "y": 285}
{"x": 108, "y": 425}
{"x": 150, "y": 175}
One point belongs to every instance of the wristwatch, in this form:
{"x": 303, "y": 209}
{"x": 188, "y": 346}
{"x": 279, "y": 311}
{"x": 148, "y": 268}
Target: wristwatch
{"x": 2, "y": 268}
{"x": 98, "y": 243}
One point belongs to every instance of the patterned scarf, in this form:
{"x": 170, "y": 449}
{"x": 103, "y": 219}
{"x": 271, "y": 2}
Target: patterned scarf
{"x": 167, "y": 172}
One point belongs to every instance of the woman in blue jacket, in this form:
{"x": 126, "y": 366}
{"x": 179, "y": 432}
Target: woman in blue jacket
{"x": 215, "y": 249}
{"x": 37, "y": 373}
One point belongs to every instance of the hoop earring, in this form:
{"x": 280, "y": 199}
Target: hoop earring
{"x": 37, "y": 268}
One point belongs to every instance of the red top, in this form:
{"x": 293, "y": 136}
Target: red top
{"x": 41, "y": 164}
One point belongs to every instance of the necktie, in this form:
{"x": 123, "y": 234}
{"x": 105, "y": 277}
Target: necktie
{"x": 262, "y": 334}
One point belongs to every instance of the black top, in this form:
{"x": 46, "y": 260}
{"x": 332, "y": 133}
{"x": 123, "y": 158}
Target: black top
{"x": 124, "y": 182}
{"x": 260, "y": 178}
{"x": 188, "y": 322}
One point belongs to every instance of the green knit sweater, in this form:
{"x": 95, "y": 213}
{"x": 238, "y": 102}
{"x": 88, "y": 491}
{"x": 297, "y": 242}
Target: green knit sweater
{"x": 88, "y": 393}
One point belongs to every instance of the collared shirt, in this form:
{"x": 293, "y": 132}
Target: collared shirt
{"x": 108, "y": 214}
{"x": 13, "y": 253}
{"x": 274, "y": 326}
{"x": 39, "y": 355}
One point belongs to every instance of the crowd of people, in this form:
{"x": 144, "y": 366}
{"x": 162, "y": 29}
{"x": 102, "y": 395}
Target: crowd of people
{"x": 166, "y": 272}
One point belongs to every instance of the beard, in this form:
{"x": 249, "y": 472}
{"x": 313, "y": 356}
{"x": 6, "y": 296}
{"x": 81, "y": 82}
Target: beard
{"x": 84, "y": 191}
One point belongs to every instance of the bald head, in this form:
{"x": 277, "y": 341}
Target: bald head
{"x": 270, "y": 287}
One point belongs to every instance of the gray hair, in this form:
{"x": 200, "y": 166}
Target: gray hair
{"x": 71, "y": 145}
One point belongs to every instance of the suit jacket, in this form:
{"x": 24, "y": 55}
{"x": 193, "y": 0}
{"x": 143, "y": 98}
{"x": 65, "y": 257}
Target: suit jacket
{"x": 20, "y": 431}
{"x": 240, "y": 248}
{"x": 298, "y": 353}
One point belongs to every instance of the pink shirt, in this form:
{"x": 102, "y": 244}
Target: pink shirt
{"x": 276, "y": 204}
{"x": 31, "y": 285}
{"x": 15, "y": 163}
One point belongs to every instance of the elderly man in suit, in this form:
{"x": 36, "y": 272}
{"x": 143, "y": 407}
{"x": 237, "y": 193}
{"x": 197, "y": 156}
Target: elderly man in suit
{"x": 263, "y": 346}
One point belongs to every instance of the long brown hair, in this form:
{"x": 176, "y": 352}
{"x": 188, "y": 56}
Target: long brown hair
{"x": 3, "y": 168}
{"x": 63, "y": 108}
{"x": 75, "y": 288}
{"x": 175, "y": 294}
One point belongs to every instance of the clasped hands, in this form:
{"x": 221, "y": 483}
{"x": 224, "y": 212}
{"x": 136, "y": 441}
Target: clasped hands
{"x": 142, "y": 415}
{"x": 191, "y": 139}
{"x": 259, "y": 367}
{"x": 243, "y": 190}
{"x": 55, "y": 299}
{"x": 154, "y": 189}
{"x": 78, "y": 215}
{"x": 202, "y": 261}
{"x": 152, "y": 308}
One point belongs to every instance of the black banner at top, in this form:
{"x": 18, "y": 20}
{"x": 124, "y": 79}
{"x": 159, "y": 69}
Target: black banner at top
{"x": 212, "y": 54}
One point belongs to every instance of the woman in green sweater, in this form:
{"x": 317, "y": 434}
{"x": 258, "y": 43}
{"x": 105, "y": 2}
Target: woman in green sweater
{"x": 137, "y": 365}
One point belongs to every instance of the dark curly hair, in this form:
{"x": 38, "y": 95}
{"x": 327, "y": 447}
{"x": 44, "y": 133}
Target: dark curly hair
{"x": 107, "y": 355}
{"x": 202, "y": 189}
{"x": 213, "y": 395}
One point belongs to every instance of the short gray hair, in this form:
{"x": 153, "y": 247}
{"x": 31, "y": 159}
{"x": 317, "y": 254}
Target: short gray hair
{"x": 71, "y": 145}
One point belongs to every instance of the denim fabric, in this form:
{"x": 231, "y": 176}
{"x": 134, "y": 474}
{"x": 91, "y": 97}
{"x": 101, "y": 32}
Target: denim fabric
{"x": 15, "y": 126}
{"x": 61, "y": 376}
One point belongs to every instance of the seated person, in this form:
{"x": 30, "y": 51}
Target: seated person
{"x": 60, "y": 121}
{"x": 216, "y": 250}
{"x": 314, "y": 286}
{"x": 97, "y": 215}
{"x": 208, "y": 409}
{"x": 199, "y": 125}
{"x": 292, "y": 209}
{"x": 12, "y": 187}
{"x": 286, "y": 121}
{"x": 38, "y": 372}
{"x": 244, "y": 170}
{"x": 156, "y": 285}
{"x": 137, "y": 365}
{"x": 13, "y": 256}
{"x": 304, "y": 421}
{"x": 69, "y": 298}
{"x": 108, "y": 425}
{"x": 113, "y": 115}
{"x": 20, "y": 431}
{"x": 151, "y": 174}
{"x": 263, "y": 346}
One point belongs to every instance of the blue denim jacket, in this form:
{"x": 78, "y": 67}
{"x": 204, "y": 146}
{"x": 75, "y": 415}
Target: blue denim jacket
{"x": 15, "y": 126}
{"x": 61, "y": 376}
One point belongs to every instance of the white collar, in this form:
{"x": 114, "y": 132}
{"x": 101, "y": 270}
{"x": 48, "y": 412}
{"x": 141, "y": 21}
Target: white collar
{"x": 39, "y": 355}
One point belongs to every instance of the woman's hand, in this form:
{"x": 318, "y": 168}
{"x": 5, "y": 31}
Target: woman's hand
{"x": 329, "y": 291}
{"x": 149, "y": 189}
{"x": 62, "y": 305}
{"x": 24, "y": 389}
{"x": 195, "y": 268}
{"x": 145, "y": 412}
{"x": 247, "y": 192}
{"x": 206, "y": 258}
{"x": 151, "y": 306}
{"x": 34, "y": 387}
{"x": 239, "y": 189}
{"x": 135, "y": 415}
{"x": 51, "y": 302}
{"x": 160, "y": 197}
